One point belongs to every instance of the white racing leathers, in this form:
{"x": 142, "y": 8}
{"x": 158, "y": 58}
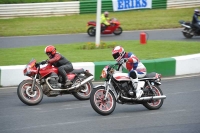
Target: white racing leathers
{"x": 136, "y": 70}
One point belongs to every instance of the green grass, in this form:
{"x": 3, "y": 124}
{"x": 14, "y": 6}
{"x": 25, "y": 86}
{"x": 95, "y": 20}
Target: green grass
{"x": 130, "y": 20}
{"x": 74, "y": 52}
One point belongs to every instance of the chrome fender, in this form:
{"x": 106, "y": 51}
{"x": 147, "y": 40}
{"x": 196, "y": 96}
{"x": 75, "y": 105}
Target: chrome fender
{"x": 98, "y": 86}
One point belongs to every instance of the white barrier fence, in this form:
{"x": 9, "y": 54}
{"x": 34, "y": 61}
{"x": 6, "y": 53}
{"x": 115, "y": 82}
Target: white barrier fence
{"x": 13, "y": 75}
{"x": 172, "y": 4}
{"x": 189, "y": 64}
{"x": 67, "y": 8}
{"x": 39, "y": 9}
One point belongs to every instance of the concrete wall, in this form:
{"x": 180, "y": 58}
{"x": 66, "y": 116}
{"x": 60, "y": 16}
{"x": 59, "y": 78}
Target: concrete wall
{"x": 181, "y": 65}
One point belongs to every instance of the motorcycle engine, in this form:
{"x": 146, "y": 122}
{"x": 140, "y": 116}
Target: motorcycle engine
{"x": 125, "y": 88}
{"x": 53, "y": 81}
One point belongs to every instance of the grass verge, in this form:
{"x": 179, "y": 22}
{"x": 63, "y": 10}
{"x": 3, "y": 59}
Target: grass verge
{"x": 75, "y": 52}
{"x": 130, "y": 20}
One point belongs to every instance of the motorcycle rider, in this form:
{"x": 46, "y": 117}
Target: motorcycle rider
{"x": 195, "y": 21}
{"x": 105, "y": 20}
{"x": 136, "y": 69}
{"x": 64, "y": 65}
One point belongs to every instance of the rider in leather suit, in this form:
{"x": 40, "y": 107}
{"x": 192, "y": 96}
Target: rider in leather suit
{"x": 64, "y": 66}
{"x": 195, "y": 21}
{"x": 136, "y": 69}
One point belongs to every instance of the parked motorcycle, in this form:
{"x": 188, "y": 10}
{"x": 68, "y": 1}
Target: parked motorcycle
{"x": 45, "y": 80}
{"x": 189, "y": 30}
{"x": 115, "y": 89}
{"x": 113, "y": 28}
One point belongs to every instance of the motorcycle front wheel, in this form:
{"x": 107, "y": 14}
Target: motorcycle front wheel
{"x": 154, "y": 104}
{"x": 101, "y": 106}
{"x": 27, "y": 96}
{"x": 91, "y": 31}
{"x": 118, "y": 31}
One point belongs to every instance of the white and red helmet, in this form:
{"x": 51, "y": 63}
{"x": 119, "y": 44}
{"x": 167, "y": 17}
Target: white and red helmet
{"x": 118, "y": 53}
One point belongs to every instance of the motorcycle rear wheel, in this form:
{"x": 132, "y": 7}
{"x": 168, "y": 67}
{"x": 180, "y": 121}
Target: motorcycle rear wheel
{"x": 26, "y": 96}
{"x": 118, "y": 31}
{"x": 101, "y": 106}
{"x": 91, "y": 31}
{"x": 154, "y": 104}
{"x": 86, "y": 89}
{"x": 186, "y": 35}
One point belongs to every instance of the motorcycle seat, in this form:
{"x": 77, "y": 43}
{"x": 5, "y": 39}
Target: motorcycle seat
{"x": 77, "y": 71}
{"x": 150, "y": 75}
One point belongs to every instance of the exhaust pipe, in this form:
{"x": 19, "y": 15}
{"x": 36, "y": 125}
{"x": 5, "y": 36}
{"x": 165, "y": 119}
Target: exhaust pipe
{"x": 145, "y": 98}
{"x": 73, "y": 87}
{"x": 185, "y": 26}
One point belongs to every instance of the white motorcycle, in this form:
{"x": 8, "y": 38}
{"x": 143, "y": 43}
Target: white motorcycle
{"x": 103, "y": 98}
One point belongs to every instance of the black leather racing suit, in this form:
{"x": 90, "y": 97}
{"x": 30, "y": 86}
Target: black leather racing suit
{"x": 195, "y": 22}
{"x": 64, "y": 66}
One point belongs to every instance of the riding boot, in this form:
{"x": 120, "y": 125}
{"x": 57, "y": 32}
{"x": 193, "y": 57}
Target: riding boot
{"x": 134, "y": 83}
{"x": 139, "y": 92}
{"x": 137, "y": 89}
{"x": 66, "y": 84}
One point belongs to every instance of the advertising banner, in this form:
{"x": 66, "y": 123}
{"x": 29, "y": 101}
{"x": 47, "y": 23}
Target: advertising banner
{"x": 120, "y": 5}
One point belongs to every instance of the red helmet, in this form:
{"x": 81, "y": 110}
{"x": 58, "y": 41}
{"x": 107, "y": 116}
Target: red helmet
{"x": 50, "y": 51}
{"x": 118, "y": 53}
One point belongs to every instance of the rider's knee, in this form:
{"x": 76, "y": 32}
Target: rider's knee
{"x": 133, "y": 74}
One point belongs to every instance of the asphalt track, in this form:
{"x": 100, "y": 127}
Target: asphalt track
{"x": 180, "y": 113}
{"x": 24, "y": 41}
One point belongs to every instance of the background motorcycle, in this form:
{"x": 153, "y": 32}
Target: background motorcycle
{"x": 113, "y": 28}
{"x": 115, "y": 89}
{"x": 46, "y": 81}
{"x": 189, "y": 30}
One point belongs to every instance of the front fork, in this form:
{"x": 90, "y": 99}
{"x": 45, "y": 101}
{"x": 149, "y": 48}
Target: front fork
{"x": 33, "y": 84}
{"x": 107, "y": 88}
{"x": 34, "y": 80}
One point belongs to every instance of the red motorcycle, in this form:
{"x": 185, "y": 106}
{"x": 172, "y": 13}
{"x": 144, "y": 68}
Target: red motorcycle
{"x": 113, "y": 28}
{"x": 45, "y": 80}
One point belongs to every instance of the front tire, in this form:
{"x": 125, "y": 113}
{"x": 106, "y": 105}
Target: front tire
{"x": 101, "y": 106}
{"x": 26, "y": 96}
{"x": 154, "y": 104}
{"x": 118, "y": 31}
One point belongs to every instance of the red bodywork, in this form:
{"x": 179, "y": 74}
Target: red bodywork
{"x": 114, "y": 24}
{"x": 30, "y": 70}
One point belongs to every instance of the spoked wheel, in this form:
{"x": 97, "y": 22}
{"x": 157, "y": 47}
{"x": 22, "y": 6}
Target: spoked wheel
{"x": 154, "y": 104}
{"x": 91, "y": 31}
{"x": 99, "y": 104}
{"x": 26, "y": 95}
{"x": 84, "y": 91}
{"x": 118, "y": 31}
